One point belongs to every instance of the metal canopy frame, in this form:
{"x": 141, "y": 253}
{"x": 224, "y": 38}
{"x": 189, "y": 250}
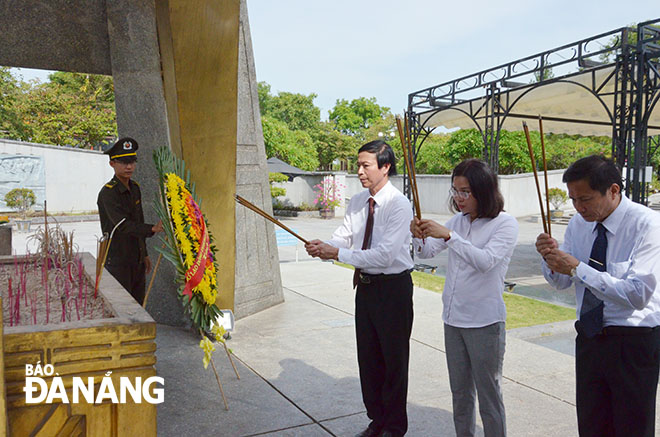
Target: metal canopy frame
{"x": 627, "y": 58}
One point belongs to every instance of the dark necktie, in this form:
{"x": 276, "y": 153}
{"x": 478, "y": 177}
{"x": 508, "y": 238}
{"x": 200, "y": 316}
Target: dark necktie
{"x": 591, "y": 312}
{"x": 367, "y": 237}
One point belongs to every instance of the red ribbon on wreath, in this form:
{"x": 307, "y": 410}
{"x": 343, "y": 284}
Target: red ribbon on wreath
{"x": 195, "y": 273}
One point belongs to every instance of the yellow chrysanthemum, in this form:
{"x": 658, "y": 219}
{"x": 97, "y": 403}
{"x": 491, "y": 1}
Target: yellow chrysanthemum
{"x": 219, "y": 332}
{"x": 207, "y": 346}
{"x": 188, "y": 233}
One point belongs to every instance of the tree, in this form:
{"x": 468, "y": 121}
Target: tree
{"x": 296, "y": 110}
{"x": 72, "y": 109}
{"x": 12, "y": 91}
{"x": 547, "y": 74}
{"x": 263, "y": 92}
{"x": 295, "y": 147}
{"x": 354, "y": 117}
{"x": 615, "y": 40}
{"x": 333, "y": 145}
{"x": 276, "y": 192}
{"x": 464, "y": 144}
{"x": 430, "y": 156}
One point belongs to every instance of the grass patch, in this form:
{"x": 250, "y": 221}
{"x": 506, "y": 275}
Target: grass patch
{"x": 524, "y": 311}
{"x": 521, "y": 311}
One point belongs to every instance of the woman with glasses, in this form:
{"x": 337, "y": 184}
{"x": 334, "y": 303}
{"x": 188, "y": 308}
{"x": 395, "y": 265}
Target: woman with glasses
{"x": 480, "y": 239}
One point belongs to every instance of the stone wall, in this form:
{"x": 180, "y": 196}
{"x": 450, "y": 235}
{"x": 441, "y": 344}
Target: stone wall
{"x": 69, "y": 179}
{"x": 519, "y": 191}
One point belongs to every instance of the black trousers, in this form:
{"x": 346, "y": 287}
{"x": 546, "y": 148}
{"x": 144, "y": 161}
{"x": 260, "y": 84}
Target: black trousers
{"x": 383, "y": 323}
{"x": 617, "y": 380}
{"x": 131, "y": 277}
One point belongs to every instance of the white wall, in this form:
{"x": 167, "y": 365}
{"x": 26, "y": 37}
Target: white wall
{"x": 520, "y": 195}
{"x": 519, "y": 191}
{"x": 73, "y": 177}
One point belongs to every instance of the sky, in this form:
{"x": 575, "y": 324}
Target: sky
{"x": 345, "y": 49}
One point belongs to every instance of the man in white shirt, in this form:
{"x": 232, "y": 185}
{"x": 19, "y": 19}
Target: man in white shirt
{"x": 375, "y": 239}
{"x": 611, "y": 253}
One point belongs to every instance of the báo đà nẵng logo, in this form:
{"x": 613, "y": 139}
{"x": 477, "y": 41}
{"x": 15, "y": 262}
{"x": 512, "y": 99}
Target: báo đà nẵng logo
{"x": 83, "y": 389}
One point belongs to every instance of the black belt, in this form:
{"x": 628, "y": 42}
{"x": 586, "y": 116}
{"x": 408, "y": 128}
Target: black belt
{"x": 366, "y": 278}
{"x": 621, "y": 330}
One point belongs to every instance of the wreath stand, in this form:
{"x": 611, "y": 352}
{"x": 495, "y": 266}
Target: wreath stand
{"x": 222, "y": 340}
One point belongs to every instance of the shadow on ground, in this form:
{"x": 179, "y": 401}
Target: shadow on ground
{"x": 259, "y": 407}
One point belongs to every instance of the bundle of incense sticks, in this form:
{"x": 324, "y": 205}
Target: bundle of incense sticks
{"x": 545, "y": 218}
{"x": 267, "y": 216}
{"x": 404, "y": 136}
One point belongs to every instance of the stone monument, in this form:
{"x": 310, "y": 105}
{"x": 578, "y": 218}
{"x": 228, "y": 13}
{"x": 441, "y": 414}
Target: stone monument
{"x": 184, "y": 78}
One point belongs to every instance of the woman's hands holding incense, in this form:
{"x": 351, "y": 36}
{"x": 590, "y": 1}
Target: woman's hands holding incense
{"x": 428, "y": 228}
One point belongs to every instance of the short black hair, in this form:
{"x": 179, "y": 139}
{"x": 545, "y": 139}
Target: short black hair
{"x": 599, "y": 171}
{"x": 384, "y": 154}
{"x": 483, "y": 186}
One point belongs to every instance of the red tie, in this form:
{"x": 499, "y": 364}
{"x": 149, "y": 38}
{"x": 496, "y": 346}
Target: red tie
{"x": 367, "y": 237}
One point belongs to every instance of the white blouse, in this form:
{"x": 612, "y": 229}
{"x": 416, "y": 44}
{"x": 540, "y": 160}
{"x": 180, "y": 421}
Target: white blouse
{"x": 479, "y": 255}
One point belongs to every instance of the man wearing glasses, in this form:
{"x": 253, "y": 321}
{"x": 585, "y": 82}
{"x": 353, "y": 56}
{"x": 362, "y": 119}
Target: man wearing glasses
{"x": 120, "y": 209}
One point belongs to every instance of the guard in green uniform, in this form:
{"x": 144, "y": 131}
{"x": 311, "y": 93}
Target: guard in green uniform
{"x": 120, "y": 199}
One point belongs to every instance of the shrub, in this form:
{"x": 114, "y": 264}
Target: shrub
{"x": 276, "y": 192}
{"x": 20, "y": 199}
{"x": 557, "y": 197}
{"x": 328, "y": 195}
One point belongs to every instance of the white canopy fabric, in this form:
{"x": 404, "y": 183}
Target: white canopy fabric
{"x": 565, "y": 99}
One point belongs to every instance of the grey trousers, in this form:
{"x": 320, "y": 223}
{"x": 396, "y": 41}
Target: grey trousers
{"x": 474, "y": 360}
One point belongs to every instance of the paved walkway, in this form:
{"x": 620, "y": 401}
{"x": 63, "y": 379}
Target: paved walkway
{"x": 298, "y": 366}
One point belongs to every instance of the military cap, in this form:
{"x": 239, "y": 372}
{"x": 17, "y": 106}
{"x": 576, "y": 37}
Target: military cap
{"x": 124, "y": 149}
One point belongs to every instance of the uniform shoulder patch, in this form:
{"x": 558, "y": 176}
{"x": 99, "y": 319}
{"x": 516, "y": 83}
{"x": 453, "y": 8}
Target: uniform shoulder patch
{"x": 111, "y": 184}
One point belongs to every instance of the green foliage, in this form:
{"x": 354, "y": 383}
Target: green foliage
{"x": 71, "y": 109}
{"x": 557, "y": 197}
{"x": 354, "y": 117}
{"x": 464, "y": 144}
{"x": 277, "y": 191}
{"x": 547, "y": 74}
{"x": 20, "y": 199}
{"x": 427, "y": 162}
{"x": 439, "y": 154}
{"x": 296, "y": 110}
{"x": 332, "y": 144}
{"x": 263, "y": 92}
{"x": 514, "y": 153}
{"x": 294, "y": 147}
{"x": 11, "y": 95}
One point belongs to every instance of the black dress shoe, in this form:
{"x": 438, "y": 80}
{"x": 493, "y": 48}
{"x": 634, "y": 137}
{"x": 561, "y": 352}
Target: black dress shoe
{"x": 369, "y": 432}
{"x": 388, "y": 434}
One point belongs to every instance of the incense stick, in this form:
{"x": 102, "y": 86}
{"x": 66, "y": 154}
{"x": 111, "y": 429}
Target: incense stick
{"x": 536, "y": 177}
{"x": 545, "y": 175}
{"x": 406, "y": 160}
{"x": 267, "y": 216}
{"x": 413, "y": 173}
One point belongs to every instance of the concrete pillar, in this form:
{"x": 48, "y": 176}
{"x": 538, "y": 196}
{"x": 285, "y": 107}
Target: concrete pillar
{"x": 258, "y": 282}
{"x": 142, "y": 114}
